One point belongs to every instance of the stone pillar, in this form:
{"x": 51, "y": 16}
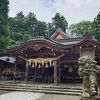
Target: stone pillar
{"x": 26, "y": 72}
{"x": 55, "y": 74}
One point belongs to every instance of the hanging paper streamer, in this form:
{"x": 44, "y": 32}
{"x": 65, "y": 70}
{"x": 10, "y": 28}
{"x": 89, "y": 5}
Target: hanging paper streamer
{"x": 42, "y": 62}
{"x": 46, "y": 66}
{"x": 30, "y": 62}
{"x": 50, "y": 62}
{"x": 35, "y": 63}
{"x": 39, "y": 66}
{"x": 53, "y": 63}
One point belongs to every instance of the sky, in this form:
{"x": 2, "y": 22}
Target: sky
{"x": 73, "y": 10}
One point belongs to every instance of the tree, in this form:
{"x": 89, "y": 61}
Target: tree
{"x": 4, "y": 32}
{"x": 59, "y": 21}
{"x": 40, "y": 29}
{"x": 80, "y": 28}
{"x": 96, "y": 26}
{"x": 23, "y": 28}
{"x": 31, "y": 23}
{"x": 50, "y": 29}
{"x": 17, "y": 29}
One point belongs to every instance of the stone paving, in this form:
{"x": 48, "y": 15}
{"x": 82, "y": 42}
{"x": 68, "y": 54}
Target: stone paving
{"x": 36, "y": 96}
{"x": 21, "y": 96}
{"x": 58, "y": 97}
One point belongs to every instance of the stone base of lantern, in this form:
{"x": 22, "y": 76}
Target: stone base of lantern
{"x": 97, "y": 97}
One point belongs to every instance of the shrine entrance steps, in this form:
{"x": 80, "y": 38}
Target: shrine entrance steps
{"x": 65, "y": 89}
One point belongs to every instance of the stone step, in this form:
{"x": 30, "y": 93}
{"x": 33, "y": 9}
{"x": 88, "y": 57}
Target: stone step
{"x": 49, "y": 89}
{"x": 57, "y": 88}
{"x": 42, "y": 91}
{"x": 43, "y": 86}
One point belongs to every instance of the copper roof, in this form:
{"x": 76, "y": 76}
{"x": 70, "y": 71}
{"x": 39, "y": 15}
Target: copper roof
{"x": 59, "y": 31}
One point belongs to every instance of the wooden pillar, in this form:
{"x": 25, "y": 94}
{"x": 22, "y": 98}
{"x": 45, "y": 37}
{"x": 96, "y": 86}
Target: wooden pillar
{"x": 55, "y": 74}
{"x": 80, "y": 51}
{"x": 26, "y": 72}
{"x": 59, "y": 72}
{"x": 94, "y": 51}
{"x": 14, "y": 77}
{"x": 35, "y": 73}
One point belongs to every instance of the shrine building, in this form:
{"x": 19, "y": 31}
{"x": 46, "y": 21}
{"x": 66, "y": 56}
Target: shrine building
{"x": 51, "y": 60}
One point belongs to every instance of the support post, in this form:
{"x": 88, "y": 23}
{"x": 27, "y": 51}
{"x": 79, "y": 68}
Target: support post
{"x": 59, "y": 72}
{"x": 26, "y": 72}
{"x": 94, "y": 51}
{"x": 35, "y": 73}
{"x": 14, "y": 73}
{"x": 55, "y": 74}
{"x": 80, "y": 51}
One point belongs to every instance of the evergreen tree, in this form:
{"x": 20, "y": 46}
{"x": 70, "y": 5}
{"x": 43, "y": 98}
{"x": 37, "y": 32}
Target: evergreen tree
{"x": 59, "y": 21}
{"x": 4, "y": 36}
{"x": 50, "y": 29}
{"x": 31, "y": 23}
{"x": 96, "y": 26}
{"x": 40, "y": 29}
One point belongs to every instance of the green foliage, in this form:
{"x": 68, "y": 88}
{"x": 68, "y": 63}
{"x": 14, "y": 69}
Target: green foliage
{"x": 40, "y": 29}
{"x": 96, "y": 26}
{"x": 80, "y": 28}
{"x": 10, "y": 71}
{"x": 50, "y": 29}
{"x": 4, "y": 39}
{"x": 31, "y": 23}
{"x": 23, "y": 28}
{"x": 59, "y": 21}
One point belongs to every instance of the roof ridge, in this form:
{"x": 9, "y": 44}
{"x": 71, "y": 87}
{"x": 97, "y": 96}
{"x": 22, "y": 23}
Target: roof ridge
{"x": 59, "y": 30}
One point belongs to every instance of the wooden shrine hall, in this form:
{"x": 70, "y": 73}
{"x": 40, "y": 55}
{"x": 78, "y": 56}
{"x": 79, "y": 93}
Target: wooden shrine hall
{"x": 51, "y": 60}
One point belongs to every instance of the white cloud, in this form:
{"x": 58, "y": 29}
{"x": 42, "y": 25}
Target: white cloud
{"x": 73, "y": 10}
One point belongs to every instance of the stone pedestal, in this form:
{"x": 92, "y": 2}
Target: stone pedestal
{"x": 86, "y": 87}
{"x": 92, "y": 98}
{"x": 85, "y": 98}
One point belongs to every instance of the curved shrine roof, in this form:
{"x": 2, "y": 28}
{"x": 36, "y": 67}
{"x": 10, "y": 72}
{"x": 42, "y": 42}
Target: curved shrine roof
{"x": 54, "y": 42}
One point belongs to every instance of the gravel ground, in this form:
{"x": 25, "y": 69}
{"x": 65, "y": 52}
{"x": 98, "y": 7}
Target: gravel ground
{"x": 20, "y": 96}
{"x": 3, "y": 92}
{"x": 49, "y": 96}
{"x": 58, "y": 97}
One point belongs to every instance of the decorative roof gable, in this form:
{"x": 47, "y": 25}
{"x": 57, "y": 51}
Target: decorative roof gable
{"x": 59, "y": 34}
